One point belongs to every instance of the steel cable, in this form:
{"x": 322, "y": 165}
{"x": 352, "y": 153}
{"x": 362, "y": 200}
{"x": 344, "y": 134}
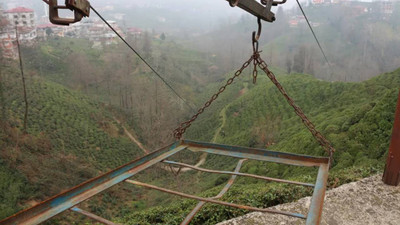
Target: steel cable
{"x": 145, "y": 62}
{"x": 315, "y": 36}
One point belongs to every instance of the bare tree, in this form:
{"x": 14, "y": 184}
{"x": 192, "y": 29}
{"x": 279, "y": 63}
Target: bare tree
{"x": 23, "y": 81}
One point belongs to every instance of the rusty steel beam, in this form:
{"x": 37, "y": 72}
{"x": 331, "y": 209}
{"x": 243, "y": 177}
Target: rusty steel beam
{"x": 59, "y": 203}
{"x": 210, "y": 200}
{"x": 317, "y": 200}
{"x": 238, "y": 174}
{"x": 92, "y": 216}
{"x": 200, "y": 205}
{"x": 257, "y": 154}
{"x": 391, "y": 176}
{"x": 256, "y": 9}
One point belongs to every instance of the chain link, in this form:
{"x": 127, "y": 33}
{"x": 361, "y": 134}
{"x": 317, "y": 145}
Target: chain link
{"x": 310, "y": 126}
{"x": 255, "y": 72}
{"x": 178, "y": 132}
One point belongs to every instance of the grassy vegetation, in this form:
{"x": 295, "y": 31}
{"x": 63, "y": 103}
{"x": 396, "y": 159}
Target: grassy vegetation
{"x": 356, "y": 117}
{"x": 70, "y": 139}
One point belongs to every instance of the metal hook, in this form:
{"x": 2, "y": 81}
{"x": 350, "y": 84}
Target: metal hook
{"x": 256, "y": 37}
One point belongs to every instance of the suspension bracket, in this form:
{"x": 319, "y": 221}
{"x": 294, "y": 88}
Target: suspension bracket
{"x": 261, "y": 10}
{"x": 81, "y": 8}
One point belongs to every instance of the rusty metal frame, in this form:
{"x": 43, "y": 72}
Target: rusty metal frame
{"x": 257, "y": 9}
{"x": 238, "y": 174}
{"x": 391, "y": 175}
{"x": 227, "y": 186}
{"x": 81, "y": 8}
{"x": 92, "y": 216}
{"x": 70, "y": 198}
{"x": 62, "y": 202}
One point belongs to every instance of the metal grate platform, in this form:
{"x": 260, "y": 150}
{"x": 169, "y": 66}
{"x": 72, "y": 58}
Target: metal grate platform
{"x": 70, "y": 199}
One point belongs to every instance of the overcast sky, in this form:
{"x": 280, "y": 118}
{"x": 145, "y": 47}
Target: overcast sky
{"x": 220, "y": 6}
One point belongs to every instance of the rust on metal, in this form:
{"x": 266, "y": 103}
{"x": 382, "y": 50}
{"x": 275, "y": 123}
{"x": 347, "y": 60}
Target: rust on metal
{"x": 211, "y": 200}
{"x": 239, "y": 174}
{"x": 74, "y": 196}
{"x": 256, "y": 154}
{"x": 92, "y": 216}
{"x": 262, "y": 11}
{"x": 228, "y": 185}
{"x": 178, "y": 132}
{"x": 81, "y": 8}
{"x": 317, "y": 200}
{"x": 61, "y": 202}
{"x": 391, "y": 176}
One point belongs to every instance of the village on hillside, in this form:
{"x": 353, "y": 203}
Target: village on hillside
{"x": 32, "y": 29}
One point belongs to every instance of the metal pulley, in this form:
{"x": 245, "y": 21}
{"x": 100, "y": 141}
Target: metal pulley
{"x": 81, "y": 8}
{"x": 261, "y": 10}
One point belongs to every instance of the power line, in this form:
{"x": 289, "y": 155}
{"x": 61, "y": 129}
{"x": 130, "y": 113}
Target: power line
{"x": 145, "y": 62}
{"x": 315, "y": 36}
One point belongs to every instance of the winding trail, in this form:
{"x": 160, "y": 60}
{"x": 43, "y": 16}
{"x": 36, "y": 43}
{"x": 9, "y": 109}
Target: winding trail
{"x": 130, "y": 136}
{"x": 203, "y": 157}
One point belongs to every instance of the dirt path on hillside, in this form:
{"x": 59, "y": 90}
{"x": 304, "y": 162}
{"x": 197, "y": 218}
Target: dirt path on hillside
{"x": 132, "y": 137}
{"x": 203, "y": 157}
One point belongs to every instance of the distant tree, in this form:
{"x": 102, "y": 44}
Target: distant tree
{"x": 299, "y": 60}
{"x": 23, "y": 81}
{"x": 3, "y": 115}
{"x": 49, "y": 31}
{"x": 147, "y": 49}
{"x": 288, "y": 65}
{"x": 162, "y": 37}
{"x": 3, "y": 111}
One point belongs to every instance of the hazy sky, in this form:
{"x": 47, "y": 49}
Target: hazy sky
{"x": 220, "y": 6}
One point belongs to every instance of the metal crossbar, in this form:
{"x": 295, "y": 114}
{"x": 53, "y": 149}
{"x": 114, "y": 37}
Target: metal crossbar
{"x": 200, "y": 205}
{"x": 71, "y": 198}
{"x": 211, "y": 200}
{"x": 92, "y": 216}
{"x": 238, "y": 174}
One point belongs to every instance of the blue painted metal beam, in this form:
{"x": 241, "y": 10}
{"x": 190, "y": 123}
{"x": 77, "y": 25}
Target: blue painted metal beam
{"x": 228, "y": 185}
{"x": 257, "y": 154}
{"x": 59, "y": 203}
{"x": 92, "y": 216}
{"x": 317, "y": 201}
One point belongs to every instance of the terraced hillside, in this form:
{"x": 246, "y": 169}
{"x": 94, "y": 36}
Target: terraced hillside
{"x": 356, "y": 117}
{"x": 70, "y": 139}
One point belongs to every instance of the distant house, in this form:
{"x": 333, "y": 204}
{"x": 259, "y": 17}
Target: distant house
{"x": 49, "y": 29}
{"x": 295, "y": 21}
{"x": 134, "y": 31}
{"x": 24, "y": 19}
{"x": 99, "y": 33}
{"x": 21, "y": 16}
{"x": 387, "y": 7}
{"x": 318, "y": 2}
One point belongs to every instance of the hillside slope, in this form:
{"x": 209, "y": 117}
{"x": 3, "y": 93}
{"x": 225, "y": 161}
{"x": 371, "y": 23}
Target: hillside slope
{"x": 356, "y": 117}
{"x": 70, "y": 139}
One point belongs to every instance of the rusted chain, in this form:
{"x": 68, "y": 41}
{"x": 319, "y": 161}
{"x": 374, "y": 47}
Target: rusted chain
{"x": 178, "y": 132}
{"x": 310, "y": 126}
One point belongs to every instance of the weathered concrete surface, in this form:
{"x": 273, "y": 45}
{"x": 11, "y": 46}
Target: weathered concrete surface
{"x": 365, "y": 202}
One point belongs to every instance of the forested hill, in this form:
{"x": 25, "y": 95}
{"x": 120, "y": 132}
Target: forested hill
{"x": 356, "y": 117}
{"x": 70, "y": 139}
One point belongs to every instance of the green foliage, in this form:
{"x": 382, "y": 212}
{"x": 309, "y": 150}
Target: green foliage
{"x": 70, "y": 139}
{"x": 356, "y": 117}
